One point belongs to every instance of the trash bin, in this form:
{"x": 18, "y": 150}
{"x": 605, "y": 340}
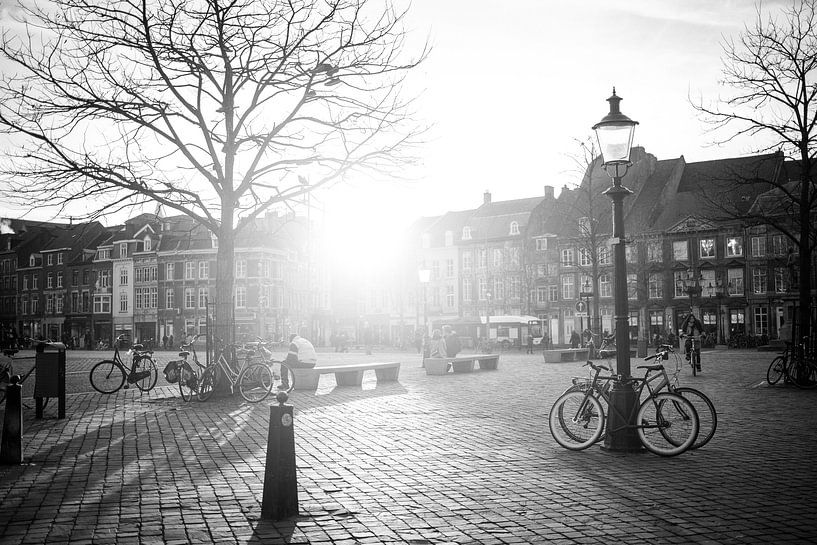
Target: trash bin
{"x": 49, "y": 362}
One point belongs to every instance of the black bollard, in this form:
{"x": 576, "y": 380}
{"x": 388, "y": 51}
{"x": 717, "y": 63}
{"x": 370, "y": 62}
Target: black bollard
{"x": 280, "y": 500}
{"x": 11, "y": 445}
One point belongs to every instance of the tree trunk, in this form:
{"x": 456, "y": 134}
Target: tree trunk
{"x": 225, "y": 278}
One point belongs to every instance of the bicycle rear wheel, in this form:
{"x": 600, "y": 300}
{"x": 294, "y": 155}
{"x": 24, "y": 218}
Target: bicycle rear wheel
{"x": 146, "y": 366}
{"x": 207, "y": 383}
{"x": 804, "y": 374}
{"x": 107, "y": 377}
{"x": 188, "y": 381}
{"x": 776, "y": 370}
{"x": 282, "y": 376}
{"x": 667, "y": 424}
{"x": 707, "y": 417}
{"x": 255, "y": 382}
{"x": 576, "y": 421}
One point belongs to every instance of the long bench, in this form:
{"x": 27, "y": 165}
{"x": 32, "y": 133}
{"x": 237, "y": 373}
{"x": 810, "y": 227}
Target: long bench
{"x": 346, "y": 375}
{"x": 566, "y": 354}
{"x": 460, "y": 364}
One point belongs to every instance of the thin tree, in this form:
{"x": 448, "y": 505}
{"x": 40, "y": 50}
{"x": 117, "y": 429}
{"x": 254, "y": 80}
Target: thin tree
{"x": 770, "y": 75}
{"x": 212, "y": 108}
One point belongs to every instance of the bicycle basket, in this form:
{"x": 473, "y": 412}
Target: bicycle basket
{"x": 582, "y": 382}
{"x": 171, "y": 371}
{"x": 187, "y": 376}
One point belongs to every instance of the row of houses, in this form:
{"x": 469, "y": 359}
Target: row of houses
{"x": 540, "y": 265}
{"x": 548, "y": 259}
{"x": 152, "y": 278}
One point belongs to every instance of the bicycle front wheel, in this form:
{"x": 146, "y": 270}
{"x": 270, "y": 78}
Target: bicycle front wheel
{"x": 667, "y": 424}
{"x": 207, "y": 383}
{"x": 707, "y": 417}
{"x": 255, "y": 382}
{"x": 776, "y": 370}
{"x": 282, "y": 376}
{"x": 576, "y": 420}
{"x": 107, "y": 377}
{"x": 146, "y": 368}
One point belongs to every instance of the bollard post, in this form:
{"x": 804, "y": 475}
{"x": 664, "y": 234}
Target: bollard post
{"x": 11, "y": 444}
{"x": 280, "y": 499}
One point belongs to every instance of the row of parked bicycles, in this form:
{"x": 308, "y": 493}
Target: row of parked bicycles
{"x": 669, "y": 419}
{"x": 797, "y": 365}
{"x": 250, "y": 368}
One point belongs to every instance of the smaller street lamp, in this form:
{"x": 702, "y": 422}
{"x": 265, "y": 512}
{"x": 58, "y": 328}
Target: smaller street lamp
{"x": 691, "y": 285}
{"x": 586, "y": 293}
{"x": 424, "y": 276}
{"x": 720, "y": 290}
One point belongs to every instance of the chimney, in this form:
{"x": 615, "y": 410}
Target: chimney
{"x": 486, "y": 197}
{"x": 549, "y": 192}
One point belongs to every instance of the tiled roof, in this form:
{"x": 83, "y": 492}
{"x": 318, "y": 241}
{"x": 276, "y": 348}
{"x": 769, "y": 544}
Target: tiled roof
{"x": 493, "y": 220}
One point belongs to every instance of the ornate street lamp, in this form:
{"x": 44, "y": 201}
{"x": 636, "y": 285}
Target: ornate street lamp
{"x": 615, "y": 135}
{"x": 720, "y": 290}
{"x": 691, "y": 285}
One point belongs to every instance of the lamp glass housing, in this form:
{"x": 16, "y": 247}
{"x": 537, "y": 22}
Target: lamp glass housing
{"x": 615, "y": 140}
{"x": 424, "y": 275}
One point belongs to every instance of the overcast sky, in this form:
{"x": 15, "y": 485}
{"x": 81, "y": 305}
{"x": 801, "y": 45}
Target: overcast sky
{"x": 511, "y": 84}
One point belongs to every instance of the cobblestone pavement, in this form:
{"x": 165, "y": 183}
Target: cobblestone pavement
{"x": 462, "y": 459}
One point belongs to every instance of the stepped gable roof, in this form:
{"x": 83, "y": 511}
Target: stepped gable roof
{"x": 492, "y": 220}
{"x": 707, "y": 186}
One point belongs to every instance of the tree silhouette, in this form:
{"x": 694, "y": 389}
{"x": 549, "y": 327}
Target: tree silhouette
{"x": 769, "y": 73}
{"x": 215, "y": 109}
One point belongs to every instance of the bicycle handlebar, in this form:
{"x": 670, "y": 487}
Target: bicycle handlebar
{"x": 597, "y": 367}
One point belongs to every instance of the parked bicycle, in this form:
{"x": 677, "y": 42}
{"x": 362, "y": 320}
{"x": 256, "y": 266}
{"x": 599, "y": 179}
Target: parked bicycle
{"x": 254, "y": 380}
{"x": 707, "y": 416}
{"x": 795, "y": 366}
{"x": 282, "y": 376}
{"x": 7, "y": 371}
{"x": 183, "y": 371}
{"x": 109, "y": 376}
{"x": 666, "y": 423}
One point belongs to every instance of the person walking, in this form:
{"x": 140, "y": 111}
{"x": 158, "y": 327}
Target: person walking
{"x": 530, "y": 343}
{"x": 164, "y": 342}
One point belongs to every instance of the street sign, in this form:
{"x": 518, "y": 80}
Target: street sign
{"x": 581, "y": 306}
{"x": 582, "y": 315}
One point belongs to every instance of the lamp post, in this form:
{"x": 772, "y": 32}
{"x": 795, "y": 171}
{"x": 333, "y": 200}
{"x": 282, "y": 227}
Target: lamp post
{"x": 424, "y": 276}
{"x": 488, "y": 318}
{"x": 586, "y": 293}
{"x": 692, "y": 287}
{"x": 720, "y": 292}
{"x": 615, "y": 135}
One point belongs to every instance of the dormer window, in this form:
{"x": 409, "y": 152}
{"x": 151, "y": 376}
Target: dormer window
{"x": 514, "y": 228}
{"x": 50, "y": 259}
{"x": 147, "y": 244}
{"x": 449, "y": 238}
{"x": 123, "y": 249}
{"x": 466, "y": 233}
{"x": 32, "y": 260}
{"x": 213, "y": 240}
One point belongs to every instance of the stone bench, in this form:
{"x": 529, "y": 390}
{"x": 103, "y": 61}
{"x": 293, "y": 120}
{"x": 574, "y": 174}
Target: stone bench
{"x": 566, "y": 354}
{"x": 460, "y": 364}
{"x": 345, "y": 375}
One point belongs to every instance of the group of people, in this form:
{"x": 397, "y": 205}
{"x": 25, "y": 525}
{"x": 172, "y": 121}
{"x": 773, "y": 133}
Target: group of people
{"x": 443, "y": 344}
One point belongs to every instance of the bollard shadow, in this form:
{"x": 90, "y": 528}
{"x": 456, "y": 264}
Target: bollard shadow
{"x": 271, "y": 531}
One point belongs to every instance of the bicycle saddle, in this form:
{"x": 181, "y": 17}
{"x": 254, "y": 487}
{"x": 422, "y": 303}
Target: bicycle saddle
{"x": 656, "y": 367}
{"x": 138, "y": 347}
{"x": 184, "y": 353}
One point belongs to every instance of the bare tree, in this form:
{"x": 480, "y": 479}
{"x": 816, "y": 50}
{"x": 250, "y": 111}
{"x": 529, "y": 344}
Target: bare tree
{"x": 216, "y": 109}
{"x": 770, "y": 71}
